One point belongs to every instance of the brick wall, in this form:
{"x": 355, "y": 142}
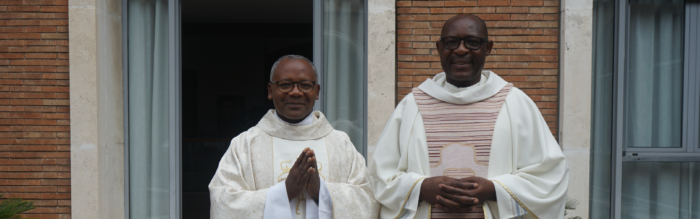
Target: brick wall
{"x": 34, "y": 106}
{"x": 525, "y": 52}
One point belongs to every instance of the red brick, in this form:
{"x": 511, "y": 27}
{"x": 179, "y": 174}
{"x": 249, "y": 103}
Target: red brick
{"x": 494, "y": 3}
{"x": 445, "y": 10}
{"x": 539, "y": 10}
{"x": 412, "y": 10}
{"x": 54, "y": 9}
{"x": 428, "y": 3}
{"x": 527, "y": 3}
{"x": 459, "y": 3}
{"x": 479, "y": 10}
{"x": 544, "y": 24}
{"x": 24, "y": 8}
{"x": 528, "y": 17}
{"x": 427, "y": 31}
{"x": 494, "y": 17}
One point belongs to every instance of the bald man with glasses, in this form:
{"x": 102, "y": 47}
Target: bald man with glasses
{"x": 292, "y": 164}
{"x": 467, "y": 144}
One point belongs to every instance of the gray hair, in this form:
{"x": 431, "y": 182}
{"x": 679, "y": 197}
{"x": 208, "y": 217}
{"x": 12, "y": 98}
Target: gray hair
{"x": 294, "y": 57}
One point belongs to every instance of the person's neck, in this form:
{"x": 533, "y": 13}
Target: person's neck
{"x": 466, "y": 83}
{"x": 291, "y": 121}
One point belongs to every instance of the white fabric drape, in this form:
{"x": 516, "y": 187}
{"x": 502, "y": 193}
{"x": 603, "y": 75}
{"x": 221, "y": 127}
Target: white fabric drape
{"x": 654, "y": 118}
{"x": 148, "y": 109}
{"x": 343, "y": 67}
{"x": 661, "y": 190}
{"x": 655, "y": 93}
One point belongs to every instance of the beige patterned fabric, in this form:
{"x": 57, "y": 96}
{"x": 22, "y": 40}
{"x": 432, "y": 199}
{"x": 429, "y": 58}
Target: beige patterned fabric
{"x": 240, "y": 185}
{"x": 459, "y": 138}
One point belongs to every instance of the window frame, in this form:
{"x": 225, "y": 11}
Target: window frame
{"x": 690, "y": 150}
{"x": 691, "y": 92}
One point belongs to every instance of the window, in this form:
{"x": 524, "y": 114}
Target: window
{"x": 334, "y": 37}
{"x": 645, "y": 161}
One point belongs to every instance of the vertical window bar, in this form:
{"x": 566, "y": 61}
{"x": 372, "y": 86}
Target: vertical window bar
{"x": 692, "y": 26}
{"x": 125, "y": 75}
{"x": 318, "y": 48}
{"x": 364, "y": 128}
{"x": 621, "y": 21}
{"x": 689, "y": 94}
{"x": 175, "y": 108}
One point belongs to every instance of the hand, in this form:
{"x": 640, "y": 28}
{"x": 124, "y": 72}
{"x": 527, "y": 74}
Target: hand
{"x": 430, "y": 189}
{"x": 477, "y": 188}
{"x": 299, "y": 175}
{"x": 314, "y": 183}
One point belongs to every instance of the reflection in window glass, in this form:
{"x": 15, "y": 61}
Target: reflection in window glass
{"x": 343, "y": 67}
{"x": 603, "y": 78}
{"x": 655, "y": 77}
{"x": 660, "y": 190}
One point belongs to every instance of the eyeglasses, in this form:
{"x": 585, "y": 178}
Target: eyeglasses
{"x": 472, "y": 43}
{"x": 288, "y": 86}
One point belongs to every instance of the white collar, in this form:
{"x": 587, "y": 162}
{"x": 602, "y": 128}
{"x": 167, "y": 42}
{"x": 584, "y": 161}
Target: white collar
{"x": 307, "y": 121}
{"x": 489, "y": 87}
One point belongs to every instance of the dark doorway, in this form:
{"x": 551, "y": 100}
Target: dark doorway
{"x": 228, "y": 48}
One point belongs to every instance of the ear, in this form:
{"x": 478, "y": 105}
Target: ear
{"x": 489, "y": 46}
{"x": 438, "y": 45}
{"x": 318, "y": 91}
{"x": 269, "y": 91}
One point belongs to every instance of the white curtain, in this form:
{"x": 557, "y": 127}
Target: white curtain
{"x": 148, "y": 108}
{"x": 661, "y": 190}
{"x": 655, "y": 79}
{"x": 654, "y": 114}
{"x": 343, "y": 67}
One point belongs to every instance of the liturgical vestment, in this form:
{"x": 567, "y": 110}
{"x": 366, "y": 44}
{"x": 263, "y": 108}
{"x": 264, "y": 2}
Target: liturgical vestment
{"x": 490, "y": 129}
{"x": 249, "y": 182}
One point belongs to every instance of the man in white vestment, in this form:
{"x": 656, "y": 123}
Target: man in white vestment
{"x": 292, "y": 164}
{"x": 467, "y": 144}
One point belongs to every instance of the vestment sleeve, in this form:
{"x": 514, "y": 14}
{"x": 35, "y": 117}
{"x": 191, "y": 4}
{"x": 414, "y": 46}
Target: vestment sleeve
{"x": 541, "y": 177}
{"x": 398, "y": 168}
{"x": 232, "y": 190}
{"x": 352, "y": 197}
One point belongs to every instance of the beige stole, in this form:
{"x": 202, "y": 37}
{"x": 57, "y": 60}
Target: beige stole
{"x": 459, "y": 138}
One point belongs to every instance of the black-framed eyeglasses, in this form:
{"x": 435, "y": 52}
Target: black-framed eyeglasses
{"x": 472, "y": 43}
{"x": 288, "y": 86}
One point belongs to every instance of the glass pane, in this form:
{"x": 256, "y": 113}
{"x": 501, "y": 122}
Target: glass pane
{"x": 148, "y": 109}
{"x": 603, "y": 77}
{"x": 660, "y": 190}
{"x": 655, "y": 79}
{"x": 344, "y": 67}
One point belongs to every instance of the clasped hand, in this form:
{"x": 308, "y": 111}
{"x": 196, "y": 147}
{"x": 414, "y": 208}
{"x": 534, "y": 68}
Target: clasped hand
{"x": 303, "y": 175}
{"x": 457, "y": 195}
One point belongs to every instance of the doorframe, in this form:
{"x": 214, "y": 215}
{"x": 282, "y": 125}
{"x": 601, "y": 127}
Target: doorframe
{"x": 175, "y": 108}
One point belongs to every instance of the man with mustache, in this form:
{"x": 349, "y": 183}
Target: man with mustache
{"x": 292, "y": 164}
{"x": 467, "y": 144}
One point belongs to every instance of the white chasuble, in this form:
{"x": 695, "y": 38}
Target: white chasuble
{"x": 249, "y": 182}
{"x": 525, "y": 163}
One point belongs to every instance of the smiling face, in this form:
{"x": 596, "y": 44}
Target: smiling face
{"x": 293, "y": 106}
{"x": 463, "y": 66}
